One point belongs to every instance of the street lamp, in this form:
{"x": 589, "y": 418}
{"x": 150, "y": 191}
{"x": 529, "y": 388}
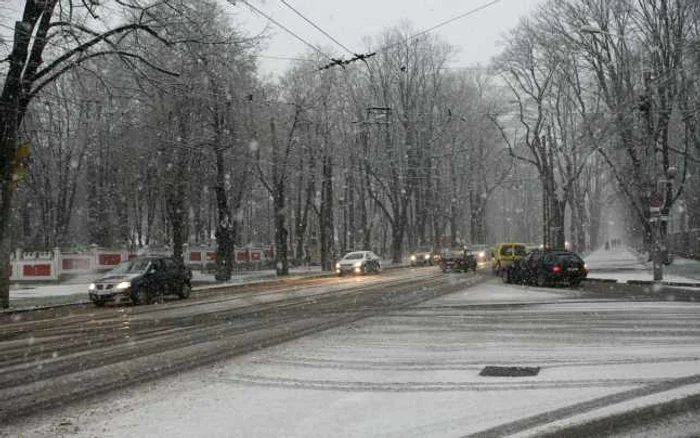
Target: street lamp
{"x": 593, "y": 30}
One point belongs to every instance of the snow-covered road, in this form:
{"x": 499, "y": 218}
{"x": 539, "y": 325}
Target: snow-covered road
{"x": 415, "y": 372}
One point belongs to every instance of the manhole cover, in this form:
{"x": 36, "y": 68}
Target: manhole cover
{"x": 509, "y": 371}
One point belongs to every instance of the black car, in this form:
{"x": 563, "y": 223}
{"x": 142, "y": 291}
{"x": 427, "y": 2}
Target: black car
{"x": 457, "y": 259}
{"x": 544, "y": 267}
{"x": 141, "y": 280}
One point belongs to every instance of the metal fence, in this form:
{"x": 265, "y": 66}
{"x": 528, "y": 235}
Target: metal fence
{"x": 51, "y": 265}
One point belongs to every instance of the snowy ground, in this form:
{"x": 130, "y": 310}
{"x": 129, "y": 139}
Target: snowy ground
{"x": 624, "y": 265}
{"x": 415, "y": 372}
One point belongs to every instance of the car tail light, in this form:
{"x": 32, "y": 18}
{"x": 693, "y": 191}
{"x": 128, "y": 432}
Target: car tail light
{"x": 556, "y": 269}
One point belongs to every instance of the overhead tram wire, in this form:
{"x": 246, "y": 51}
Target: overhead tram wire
{"x": 317, "y": 27}
{"x": 441, "y": 24}
{"x": 363, "y": 58}
{"x": 283, "y": 27}
{"x": 334, "y": 61}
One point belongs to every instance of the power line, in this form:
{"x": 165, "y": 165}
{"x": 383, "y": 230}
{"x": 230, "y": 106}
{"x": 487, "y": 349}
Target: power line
{"x": 283, "y": 58}
{"x": 441, "y": 24}
{"x": 316, "y": 27}
{"x": 357, "y": 57}
{"x": 316, "y": 49}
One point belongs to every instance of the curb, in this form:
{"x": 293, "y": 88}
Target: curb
{"x": 643, "y": 282}
{"x": 600, "y": 280}
{"x": 617, "y": 423}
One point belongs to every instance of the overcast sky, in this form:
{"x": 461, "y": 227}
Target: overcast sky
{"x": 475, "y": 36}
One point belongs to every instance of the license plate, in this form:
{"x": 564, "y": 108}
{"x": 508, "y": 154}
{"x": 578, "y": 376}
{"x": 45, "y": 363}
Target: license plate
{"x": 573, "y": 269}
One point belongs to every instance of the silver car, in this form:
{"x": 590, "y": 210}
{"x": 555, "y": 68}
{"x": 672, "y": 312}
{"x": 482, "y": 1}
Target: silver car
{"x": 358, "y": 262}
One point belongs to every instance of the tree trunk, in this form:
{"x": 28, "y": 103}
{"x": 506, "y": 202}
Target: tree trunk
{"x": 177, "y": 215}
{"x": 327, "y": 256}
{"x": 281, "y": 233}
{"x": 224, "y": 235}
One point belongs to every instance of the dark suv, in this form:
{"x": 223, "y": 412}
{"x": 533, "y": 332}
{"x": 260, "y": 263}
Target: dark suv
{"x": 141, "y": 280}
{"x": 544, "y": 267}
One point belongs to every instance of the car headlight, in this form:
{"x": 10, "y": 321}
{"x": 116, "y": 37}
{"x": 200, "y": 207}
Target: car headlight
{"x": 123, "y": 285}
{"x": 482, "y": 254}
{"x": 413, "y": 258}
{"x": 92, "y": 286}
{"x": 427, "y": 256}
{"x": 337, "y": 266}
{"x": 357, "y": 264}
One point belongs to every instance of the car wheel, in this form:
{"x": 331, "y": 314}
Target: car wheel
{"x": 98, "y": 303}
{"x": 505, "y": 276}
{"x": 575, "y": 283}
{"x": 497, "y": 269}
{"x": 141, "y": 296}
{"x": 185, "y": 291}
{"x": 541, "y": 280}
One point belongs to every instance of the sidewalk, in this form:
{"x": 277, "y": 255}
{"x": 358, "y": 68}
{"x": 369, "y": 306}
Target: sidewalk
{"x": 625, "y": 266}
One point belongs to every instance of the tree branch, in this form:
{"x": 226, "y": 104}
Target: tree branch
{"x": 95, "y": 55}
{"x": 98, "y": 39}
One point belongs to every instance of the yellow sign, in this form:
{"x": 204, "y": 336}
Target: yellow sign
{"x": 21, "y": 163}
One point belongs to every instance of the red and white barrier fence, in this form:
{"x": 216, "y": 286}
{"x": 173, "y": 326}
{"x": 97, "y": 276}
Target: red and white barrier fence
{"x": 50, "y": 265}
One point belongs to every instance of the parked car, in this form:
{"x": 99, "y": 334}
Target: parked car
{"x": 422, "y": 257}
{"x": 505, "y": 254}
{"x": 544, "y": 267}
{"x": 457, "y": 259}
{"x": 142, "y": 279}
{"x": 359, "y": 262}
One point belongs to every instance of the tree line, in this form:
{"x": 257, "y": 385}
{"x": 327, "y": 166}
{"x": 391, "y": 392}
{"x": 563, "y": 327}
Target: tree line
{"x": 161, "y": 131}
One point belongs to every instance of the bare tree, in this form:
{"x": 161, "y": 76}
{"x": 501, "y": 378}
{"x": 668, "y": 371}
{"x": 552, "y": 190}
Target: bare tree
{"x": 31, "y": 67}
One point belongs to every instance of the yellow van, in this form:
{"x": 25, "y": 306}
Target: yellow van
{"x": 504, "y": 254}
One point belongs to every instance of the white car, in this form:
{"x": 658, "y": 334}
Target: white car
{"x": 358, "y": 262}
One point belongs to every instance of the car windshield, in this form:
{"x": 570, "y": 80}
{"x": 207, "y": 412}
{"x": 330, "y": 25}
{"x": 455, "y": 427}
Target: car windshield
{"x": 354, "y": 256}
{"x": 513, "y": 250}
{"x": 519, "y": 250}
{"x": 135, "y": 266}
{"x": 338, "y": 198}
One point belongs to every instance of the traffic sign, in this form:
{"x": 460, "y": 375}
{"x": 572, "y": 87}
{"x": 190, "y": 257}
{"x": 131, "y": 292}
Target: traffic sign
{"x": 656, "y": 199}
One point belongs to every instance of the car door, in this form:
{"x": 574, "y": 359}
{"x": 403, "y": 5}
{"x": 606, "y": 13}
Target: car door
{"x": 171, "y": 276}
{"x": 157, "y": 277}
{"x": 532, "y": 264}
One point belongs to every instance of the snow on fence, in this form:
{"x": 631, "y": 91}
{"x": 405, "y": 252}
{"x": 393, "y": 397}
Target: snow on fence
{"x": 52, "y": 264}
